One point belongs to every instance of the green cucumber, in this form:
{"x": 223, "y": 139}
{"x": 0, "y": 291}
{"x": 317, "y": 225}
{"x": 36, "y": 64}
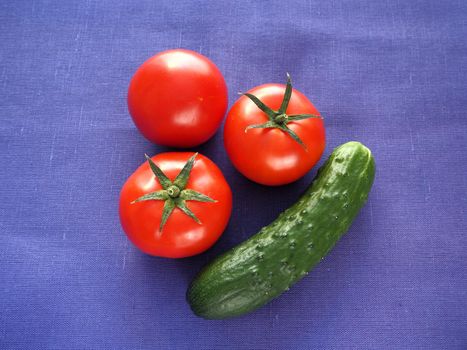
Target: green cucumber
{"x": 264, "y": 266}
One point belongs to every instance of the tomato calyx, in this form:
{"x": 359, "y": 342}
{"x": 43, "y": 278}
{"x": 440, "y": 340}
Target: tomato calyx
{"x": 174, "y": 194}
{"x": 279, "y": 119}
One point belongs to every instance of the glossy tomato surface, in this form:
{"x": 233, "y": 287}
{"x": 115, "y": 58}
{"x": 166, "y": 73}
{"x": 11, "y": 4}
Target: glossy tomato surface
{"x": 181, "y": 235}
{"x": 271, "y": 156}
{"x": 177, "y": 98}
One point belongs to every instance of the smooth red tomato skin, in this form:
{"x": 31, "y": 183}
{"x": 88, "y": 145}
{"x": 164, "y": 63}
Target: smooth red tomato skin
{"x": 177, "y": 98}
{"x": 181, "y": 235}
{"x": 270, "y": 156}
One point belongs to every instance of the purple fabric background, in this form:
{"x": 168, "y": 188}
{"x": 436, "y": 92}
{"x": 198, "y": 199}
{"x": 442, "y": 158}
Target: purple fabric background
{"x": 391, "y": 74}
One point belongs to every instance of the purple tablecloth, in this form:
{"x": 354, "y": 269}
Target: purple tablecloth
{"x": 391, "y": 74}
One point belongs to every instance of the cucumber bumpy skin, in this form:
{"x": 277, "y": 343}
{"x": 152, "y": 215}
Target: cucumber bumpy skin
{"x": 264, "y": 266}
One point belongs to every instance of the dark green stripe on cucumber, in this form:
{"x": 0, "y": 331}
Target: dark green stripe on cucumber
{"x": 264, "y": 266}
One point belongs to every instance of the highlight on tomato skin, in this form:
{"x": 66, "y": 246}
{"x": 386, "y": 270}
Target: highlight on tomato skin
{"x": 177, "y": 98}
{"x": 274, "y": 135}
{"x": 175, "y": 205}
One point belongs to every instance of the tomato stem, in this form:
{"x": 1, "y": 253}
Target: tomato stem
{"x": 173, "y": 191}
{"x": 279, "y": 119}
{"x": 174, "y": 194}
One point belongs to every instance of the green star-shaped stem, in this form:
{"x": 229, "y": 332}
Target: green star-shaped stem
{"x": 279, "y": 119}
{"x": 174, "y": 194}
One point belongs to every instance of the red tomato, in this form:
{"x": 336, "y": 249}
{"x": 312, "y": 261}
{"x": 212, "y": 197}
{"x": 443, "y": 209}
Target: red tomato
{"x": 177, "y": 98}
{"x": 181, "y": 235}
{"x": 270, "y": 156}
